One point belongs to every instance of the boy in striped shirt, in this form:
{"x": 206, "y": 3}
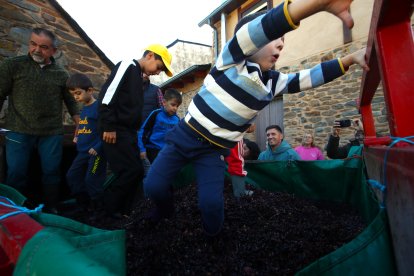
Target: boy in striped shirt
{"x": 241, "y": 83}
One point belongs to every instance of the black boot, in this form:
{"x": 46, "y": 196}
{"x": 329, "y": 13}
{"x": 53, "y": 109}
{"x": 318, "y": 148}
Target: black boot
{"x": 96, "y": 209}
{"x": 51, "y": 199}
{"x": 96, "y": 204}
{"x": 83, "y": 200}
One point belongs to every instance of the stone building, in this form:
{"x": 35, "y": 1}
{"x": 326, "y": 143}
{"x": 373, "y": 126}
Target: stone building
{"x": 76, "y": 51}
{"x": 184, "y": 55}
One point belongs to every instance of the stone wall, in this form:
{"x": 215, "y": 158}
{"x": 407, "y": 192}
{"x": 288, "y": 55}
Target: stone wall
{"x": 18, "y": 17}
{"x": 187, "y": 98}
{"x": 184, "y": 55}
{"x": 315, "y": 110}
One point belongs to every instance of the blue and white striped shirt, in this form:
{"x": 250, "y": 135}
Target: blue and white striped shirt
{"x": 236, "y": 89}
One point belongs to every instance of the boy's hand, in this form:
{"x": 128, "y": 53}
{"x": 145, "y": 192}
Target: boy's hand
{"x": 301, "y": 9}
{"x": 93, "y": 152}
{"x": 358, "y": 124}
{"x": 109, "y": 137}
{"x": 357, "y": 57}
{"x": 251, "y": 128}
{"x": 336, "y": 129}
{"x": 75, "y": 139}
{"x": 340, "y": 8}
{"x": 143, "y": 155}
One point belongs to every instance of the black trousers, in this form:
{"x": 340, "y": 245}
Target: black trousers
{"x": 124, "y": 161}
{"x": 152, "y": 154}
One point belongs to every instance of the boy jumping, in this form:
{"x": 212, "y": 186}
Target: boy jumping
{"x": 240, "y": 84}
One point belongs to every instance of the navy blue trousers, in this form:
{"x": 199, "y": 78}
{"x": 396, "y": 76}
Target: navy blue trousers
{"x": 183, "y": 146}
{"x": 87, "y": 175}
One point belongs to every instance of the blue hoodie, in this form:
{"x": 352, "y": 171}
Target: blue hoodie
{"x": 154, "y": 129}
{"x": 283, "y": 152}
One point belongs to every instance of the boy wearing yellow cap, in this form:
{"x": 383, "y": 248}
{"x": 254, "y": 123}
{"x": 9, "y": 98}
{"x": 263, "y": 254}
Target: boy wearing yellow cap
{"x": 120, "y": 109}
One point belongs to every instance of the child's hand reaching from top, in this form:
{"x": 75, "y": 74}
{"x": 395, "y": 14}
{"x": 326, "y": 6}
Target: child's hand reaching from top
{"x": 301, "y": 9}
{"x": 339, "y": 8}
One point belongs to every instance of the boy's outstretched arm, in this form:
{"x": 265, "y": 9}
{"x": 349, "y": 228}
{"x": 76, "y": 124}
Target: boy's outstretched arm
{"x": 357, "y": 57}
{"x": 319, "y": 74}
{"x": 301, "y": 9}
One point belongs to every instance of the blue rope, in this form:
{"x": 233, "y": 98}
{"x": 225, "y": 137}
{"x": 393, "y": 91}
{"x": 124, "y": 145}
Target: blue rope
{"x": 378, "y": 185}
{"x": 19, "y": 209}
{"x": 396, "y": 140}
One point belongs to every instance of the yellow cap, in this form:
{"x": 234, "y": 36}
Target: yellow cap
{"x": 164, "y": 54}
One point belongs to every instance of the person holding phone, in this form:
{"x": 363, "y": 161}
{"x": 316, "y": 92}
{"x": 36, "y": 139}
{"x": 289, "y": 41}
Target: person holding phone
{"x": 333, "y": 150}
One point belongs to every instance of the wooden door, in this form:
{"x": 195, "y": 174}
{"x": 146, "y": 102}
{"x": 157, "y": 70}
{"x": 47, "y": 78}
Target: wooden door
{"x": 270, "y": 115}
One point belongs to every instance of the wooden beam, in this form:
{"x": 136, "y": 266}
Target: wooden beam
{"x": 201, "y": 74}
{"x": 188, "y": 79}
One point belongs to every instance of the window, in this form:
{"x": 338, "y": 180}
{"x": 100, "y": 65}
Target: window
{"x": 255, "y": 6}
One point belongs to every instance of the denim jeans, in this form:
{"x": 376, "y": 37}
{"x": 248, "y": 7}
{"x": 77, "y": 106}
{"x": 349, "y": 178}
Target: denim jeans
{"x": 183, "y": 146}
{"x": 20, "y": 146}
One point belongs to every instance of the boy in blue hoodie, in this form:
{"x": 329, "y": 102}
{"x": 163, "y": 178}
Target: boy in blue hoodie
{"x": 87, "y": 173}
{"x": 241, "y": 83}
{"x": 151, "y": 136}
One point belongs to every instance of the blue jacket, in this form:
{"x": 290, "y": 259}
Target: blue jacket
{"x": 154, "y": 129}
{"x": 283, "y": 152}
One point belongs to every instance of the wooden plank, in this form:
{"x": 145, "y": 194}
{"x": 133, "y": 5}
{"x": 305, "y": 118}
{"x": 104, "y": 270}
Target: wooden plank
{"x": 399, "y": 175}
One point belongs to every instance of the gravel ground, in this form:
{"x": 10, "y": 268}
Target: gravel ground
{"x": 269, "y": 233}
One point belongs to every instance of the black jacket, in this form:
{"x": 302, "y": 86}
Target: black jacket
{"x": 334, "y": 151}
{"x": 121, "y": 98}
{"x": 151, "y": 101}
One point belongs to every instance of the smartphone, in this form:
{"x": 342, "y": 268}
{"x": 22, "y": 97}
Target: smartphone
{"x": 344, "y": 123}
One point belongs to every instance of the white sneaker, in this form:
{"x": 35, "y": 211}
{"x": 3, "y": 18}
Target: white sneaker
{"x": 249, "y": 193}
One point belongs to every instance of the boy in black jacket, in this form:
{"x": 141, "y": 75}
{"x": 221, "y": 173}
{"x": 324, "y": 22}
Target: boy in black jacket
{"x": 121, "y": 101}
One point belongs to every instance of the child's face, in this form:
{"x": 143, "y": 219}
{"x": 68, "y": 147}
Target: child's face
{"x": 171, "y": 106}
{"x": 81, "y": 95}
{"x": 268, "y": 55}
{"x": 246, "y": 151}
{"x": 152, "y": 65}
